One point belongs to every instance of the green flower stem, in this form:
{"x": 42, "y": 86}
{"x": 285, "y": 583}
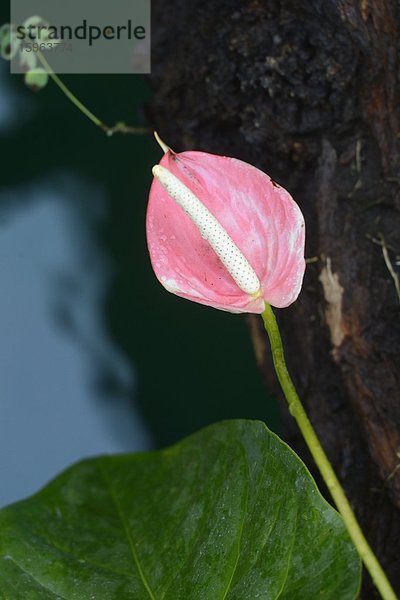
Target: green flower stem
{"x": 117, "y": 128}
{"x": 296, "y": 409}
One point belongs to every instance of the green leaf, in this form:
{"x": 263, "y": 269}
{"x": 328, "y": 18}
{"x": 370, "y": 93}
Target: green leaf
{"x": 230, "y": 513}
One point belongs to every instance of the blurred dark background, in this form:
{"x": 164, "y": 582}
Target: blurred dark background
{"x": 95, "y": 356}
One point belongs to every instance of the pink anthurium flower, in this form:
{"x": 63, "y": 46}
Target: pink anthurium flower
{"x": 222, "y": 233}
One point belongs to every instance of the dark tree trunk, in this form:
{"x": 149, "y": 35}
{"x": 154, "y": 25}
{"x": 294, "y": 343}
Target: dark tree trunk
{"x": 309, "y": 92}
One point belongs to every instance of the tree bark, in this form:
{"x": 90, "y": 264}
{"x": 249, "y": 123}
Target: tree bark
{"x": 309, "y": 92}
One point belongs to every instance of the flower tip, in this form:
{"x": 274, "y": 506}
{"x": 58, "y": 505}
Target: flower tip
{"x": 162, "y": 144}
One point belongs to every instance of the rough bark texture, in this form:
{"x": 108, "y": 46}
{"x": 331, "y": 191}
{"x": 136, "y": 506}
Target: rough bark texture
{"x": 309, "y": 92}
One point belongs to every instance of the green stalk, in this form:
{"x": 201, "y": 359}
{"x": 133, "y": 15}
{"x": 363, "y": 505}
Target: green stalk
{"x": 117, "y": 128}
{"x": 296, "y": 409}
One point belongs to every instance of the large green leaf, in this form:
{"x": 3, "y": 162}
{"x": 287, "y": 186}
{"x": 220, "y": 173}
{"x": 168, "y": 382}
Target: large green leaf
{"x": 229, "y": 513}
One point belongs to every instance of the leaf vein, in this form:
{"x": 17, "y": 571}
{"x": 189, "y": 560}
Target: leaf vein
{"x": 89, "y": 561}
{"x": 42, "y": 585}
{"x": 290, "y": 553}
{"x": 128, "y": 534}
{"x": 239, "y": 543}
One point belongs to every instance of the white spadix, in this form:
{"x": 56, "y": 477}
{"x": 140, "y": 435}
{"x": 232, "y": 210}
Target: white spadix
{"x": 211, "y": 230}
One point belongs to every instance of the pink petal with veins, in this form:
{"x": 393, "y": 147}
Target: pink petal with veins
{"x": 261, "y": 218}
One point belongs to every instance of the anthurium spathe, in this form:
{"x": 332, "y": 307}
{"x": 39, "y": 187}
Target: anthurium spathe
{"x": 220, "y": 232}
